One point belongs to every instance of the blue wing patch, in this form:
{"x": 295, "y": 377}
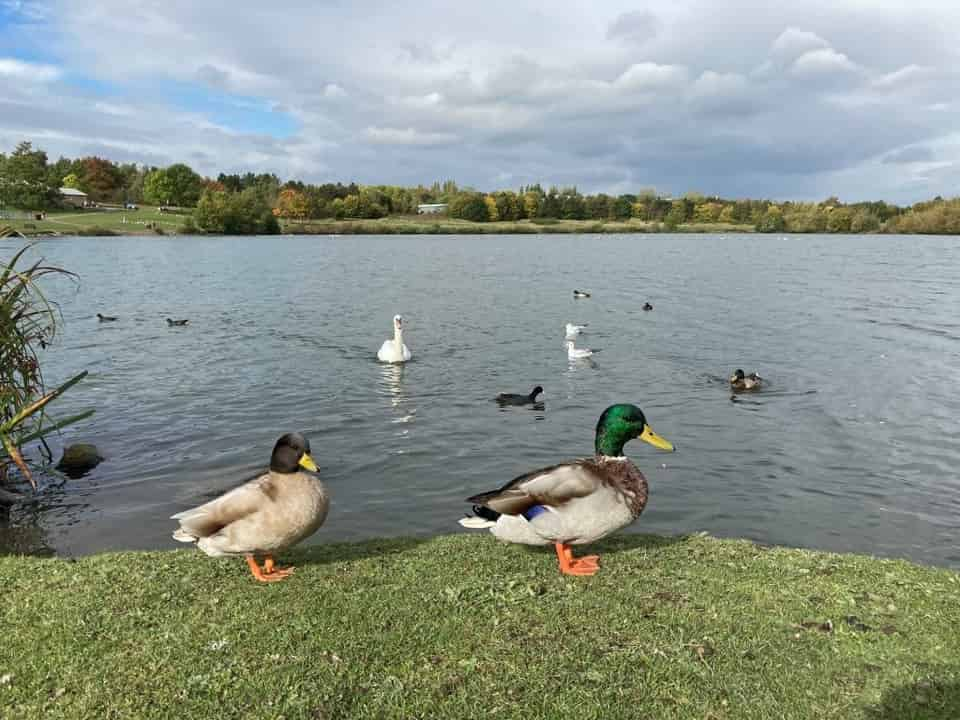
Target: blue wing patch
{"x": 531, "y": 512}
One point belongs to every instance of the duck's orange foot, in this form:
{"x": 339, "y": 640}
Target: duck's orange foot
{"x": 269, "y": 572}
{"x": 569, "y": 565}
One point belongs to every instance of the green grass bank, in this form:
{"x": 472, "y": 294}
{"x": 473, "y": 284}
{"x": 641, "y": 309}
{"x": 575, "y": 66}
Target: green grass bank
{"x": 465, "y": 627}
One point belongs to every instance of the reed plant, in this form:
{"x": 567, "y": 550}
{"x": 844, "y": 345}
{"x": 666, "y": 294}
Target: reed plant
{"x": 28, "y": 323}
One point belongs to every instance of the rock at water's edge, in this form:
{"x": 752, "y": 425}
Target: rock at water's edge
{"x": 79, "y": 458}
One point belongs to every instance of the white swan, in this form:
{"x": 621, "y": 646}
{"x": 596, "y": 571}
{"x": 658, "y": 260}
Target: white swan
{"x": 575, "y": 353}
{"x": 574, "y": 330}
{"x": 394, "y": 351}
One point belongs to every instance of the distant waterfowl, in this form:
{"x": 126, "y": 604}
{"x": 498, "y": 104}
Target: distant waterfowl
{"x": 394, "y": 351}
{"x": 516, "y": 399}
{"x": 739, "y": 381}
{"x": 176, "y": 323}
{"x": 580, "y": 294}
{"x": 647, "y": 306}
{"x": 575, "y": 502}
{"x": 575, "y": 353}
{"x": 105, "y": 318}
{"x": 574, "y": 330}
{"x": 264, "y": 516}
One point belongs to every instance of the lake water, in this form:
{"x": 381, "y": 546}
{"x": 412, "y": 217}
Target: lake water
{"x": 854, "y": 445}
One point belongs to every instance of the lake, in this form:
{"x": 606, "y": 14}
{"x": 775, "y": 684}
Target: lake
{"x": 854, "y": 444}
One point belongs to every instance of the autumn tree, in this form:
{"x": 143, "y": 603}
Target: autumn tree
{"x": 292, "y": 204}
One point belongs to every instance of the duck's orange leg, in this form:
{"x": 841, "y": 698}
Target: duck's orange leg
{"x": 269, "y": 573}
{"x": 569, "y": 565}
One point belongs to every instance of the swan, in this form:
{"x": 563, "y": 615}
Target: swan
{"x": 394, "y": 351}
{"x": 574, "y": 330}
{"x": 575, "y": 353}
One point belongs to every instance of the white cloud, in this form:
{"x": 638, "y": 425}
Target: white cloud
{"x": 408, "y": 136}
{"x": 332, "y": 90}
{"x": 635, "y": 27}
{"x": 649, "y": 76}
{"x": 26, "y": 71}
{"x": 822, "y": 61}
{"x": 793, "y": 42}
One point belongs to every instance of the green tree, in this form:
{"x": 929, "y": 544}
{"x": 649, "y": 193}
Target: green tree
{"x": 24, "y": 182}
{"x": 469, "y": 206}
{"x": 839, "y": 220}
{"x": 176, "y": 185}
{"x": 71, "y": 181}
{"x": 772, "y": 221}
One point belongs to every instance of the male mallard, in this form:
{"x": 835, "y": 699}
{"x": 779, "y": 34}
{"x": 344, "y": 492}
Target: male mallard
{"x": 263, "y": 516}
{"x": 739, "y": 381}
{"x": 576, "y": 502}
{"x": 517, "y": 399}
{"x": 581, "y": 294}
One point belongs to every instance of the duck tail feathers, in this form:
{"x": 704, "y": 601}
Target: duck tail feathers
{"x": 476, "y": 523}
{"x": 181, "y": 535}
{"x": 483, "y": 517}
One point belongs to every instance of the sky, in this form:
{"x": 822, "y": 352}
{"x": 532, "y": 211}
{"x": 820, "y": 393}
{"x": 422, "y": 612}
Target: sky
{"x": 800, "y": 100}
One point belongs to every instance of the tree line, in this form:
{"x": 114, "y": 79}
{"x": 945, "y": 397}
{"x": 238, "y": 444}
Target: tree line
{"x": 254, "y": 202}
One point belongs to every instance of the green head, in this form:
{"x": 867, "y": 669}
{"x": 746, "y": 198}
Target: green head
{"x": 620, "y": 424}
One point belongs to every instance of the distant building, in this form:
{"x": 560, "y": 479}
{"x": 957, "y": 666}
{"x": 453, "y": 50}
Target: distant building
{"x": 72, "y": 196}
{"x": 431, "y": 208}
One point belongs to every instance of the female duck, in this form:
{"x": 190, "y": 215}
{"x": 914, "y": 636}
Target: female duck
{"x": 264, "y": 516}
{"x": 394, "y": 351}
{"x": 576, "y": 502}
{"x": 739, "y": 381}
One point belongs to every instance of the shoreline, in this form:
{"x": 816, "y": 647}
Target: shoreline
{"x": 465, "y": 626}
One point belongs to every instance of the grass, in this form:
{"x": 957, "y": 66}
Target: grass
{"x": 465, "y": 627}
{"x": 100, "y": 221}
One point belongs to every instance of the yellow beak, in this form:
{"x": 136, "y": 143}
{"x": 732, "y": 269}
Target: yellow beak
{"x": 649, "y": 436}
{"x": 307, "y": 462}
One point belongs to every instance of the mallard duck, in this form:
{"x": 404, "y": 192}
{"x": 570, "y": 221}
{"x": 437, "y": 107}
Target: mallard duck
{"x": 647, "y": 307}
{"x": 575, "y": 502}
{"x": 105, "y": 318}
{"x": 580, "y": 294}
{"x": 394, "y": 351}
{"x": 739, "y": 381}
{"x": 574, "y": 330}
{"x": 517, "y": 399}
{"x": 264, "y": 516}
{"x": 176, "y": 323}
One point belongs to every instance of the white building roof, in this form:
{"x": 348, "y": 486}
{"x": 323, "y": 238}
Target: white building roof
{"x": 72, "y": 192}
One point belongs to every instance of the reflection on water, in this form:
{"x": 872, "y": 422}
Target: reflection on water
{"x": 851, "y": 446}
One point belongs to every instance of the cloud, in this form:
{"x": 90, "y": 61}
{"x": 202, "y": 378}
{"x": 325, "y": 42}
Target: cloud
{"x": 213, "y": 76}
{"x": 408, "y": 136}
{"x": 634, "y": 28}
{"x": 793, "y": 42}
{"x": 332, "y": 90}
{"x": 908, "y": 155}
{"x": 20, "y": 71}
{"x": 822, "y": 61}
{"x": 649, "y": 76}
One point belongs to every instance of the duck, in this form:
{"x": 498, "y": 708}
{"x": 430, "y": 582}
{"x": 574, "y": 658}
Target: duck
{"x": 105, "y": 318}
{"x": 647, "y": 307}
{"x": 739, "y": 381}
{"x": 574, "y": 330}
{"x": 517, "y": 399}
{"x": 580, "y": 294}
{"x": 575, "y": 353}
{"x": 575, "y": 502}
{"x": 176, "y": 323}
{"x": 263, "y": 516}
{"x": 394, "y": 351}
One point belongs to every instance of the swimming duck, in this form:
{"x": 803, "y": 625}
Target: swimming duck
{"x": 574, "y": 330}
{"x": 575, "y": 353}
{"x": 580, "y": 294}
{"x": 575, "y": 502}
{"x": 264, "y": 516}
{"x": 739, "y": 381}
{"x": 647, "y": 307}
{"x": 176, "y": 323}
{"x": 105, "y": 318}
{"x": 394, "y": 351}
{"x": 516, "y": 399}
